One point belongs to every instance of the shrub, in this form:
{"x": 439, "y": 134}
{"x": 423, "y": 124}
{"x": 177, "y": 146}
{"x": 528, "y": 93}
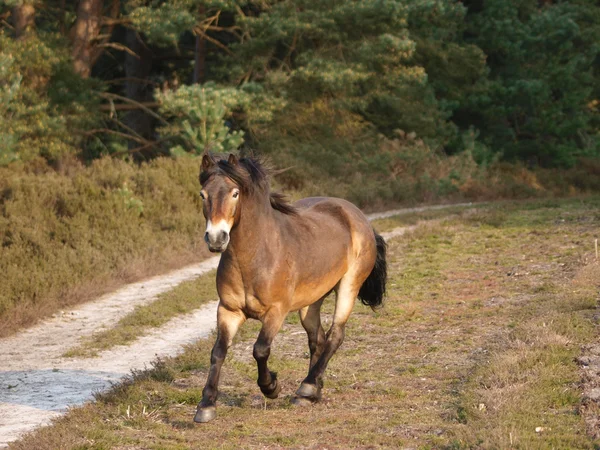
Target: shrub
{"x": 65, "y": 237}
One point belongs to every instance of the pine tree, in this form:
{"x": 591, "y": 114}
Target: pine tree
{"x": 535, "y": 105}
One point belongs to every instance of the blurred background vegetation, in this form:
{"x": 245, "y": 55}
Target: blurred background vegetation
{"x": 322, "y": 82}
{"x": 104, "y": 105}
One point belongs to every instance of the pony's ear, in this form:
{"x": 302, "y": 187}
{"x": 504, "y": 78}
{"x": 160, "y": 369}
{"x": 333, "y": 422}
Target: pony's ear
{"x": 233, "y": 160}
{"x": 207, "y": 162}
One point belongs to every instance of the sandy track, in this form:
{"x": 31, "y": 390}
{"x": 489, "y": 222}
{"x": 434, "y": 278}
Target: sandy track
{"x": 38, "y": 384}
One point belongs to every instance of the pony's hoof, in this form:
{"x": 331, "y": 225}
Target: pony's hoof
{"x": 272, "y": 390}
{"x": 301, "y": 402}
{"x": 272, "y": 394}
{"x": 275, "y": 393}
{"x": 205, "y": 414}
{"x": 309, "y": 391}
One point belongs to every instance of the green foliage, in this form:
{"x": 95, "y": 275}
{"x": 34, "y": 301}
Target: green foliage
{"x": 130, "y": 201}
{"x": 198, "y": 115}
{"x": 534, "y": 105}
{"x": 163, "y": 24}
{"x": 511, "y": 79}
{"x": 9, "y": 84}
{"x": 455, "y": 68}
{"x": 357, "y": 53}
{"x": 44, "y": 105}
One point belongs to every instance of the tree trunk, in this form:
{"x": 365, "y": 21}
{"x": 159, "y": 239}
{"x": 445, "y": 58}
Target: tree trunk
{"x": 199, "y": 59}
{"x": 138, "y": 68}
{"x": 63, "y": 15}
{"x": 83, "y": 34}
{"x": 200, "y": 51}
{"x": 23, "y": 20}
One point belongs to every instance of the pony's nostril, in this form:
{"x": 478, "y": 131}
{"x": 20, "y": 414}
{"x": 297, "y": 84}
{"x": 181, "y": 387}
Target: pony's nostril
{"x": 216, "y": 239}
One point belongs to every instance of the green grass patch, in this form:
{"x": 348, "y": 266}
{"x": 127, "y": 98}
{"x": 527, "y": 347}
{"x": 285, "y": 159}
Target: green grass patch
{"x": 183, "y": 299}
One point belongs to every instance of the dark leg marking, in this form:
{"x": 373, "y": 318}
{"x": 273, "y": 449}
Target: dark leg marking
{"x": 227, "y": 325}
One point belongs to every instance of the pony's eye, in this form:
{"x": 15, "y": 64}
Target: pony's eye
{"x": 202, "y": 195}
{"x": 236, "y": 194}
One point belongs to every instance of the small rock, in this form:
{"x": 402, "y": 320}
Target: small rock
{"x": 593, "y": 394}
{"x": 584, "y": 360}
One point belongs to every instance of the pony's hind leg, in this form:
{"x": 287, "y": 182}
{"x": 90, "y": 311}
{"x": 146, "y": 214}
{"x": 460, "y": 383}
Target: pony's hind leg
{"x": 228, "y": 323}
{"x": 310, "y": 389}
{"x": 267, "y": 381}
{"x": 310, "y": 317}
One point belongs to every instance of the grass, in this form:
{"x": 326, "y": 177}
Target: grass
{"x": 475, "y": 348}
{"x": 183, "y": 299}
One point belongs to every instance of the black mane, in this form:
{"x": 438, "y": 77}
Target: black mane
{"x": 249, "y": 174}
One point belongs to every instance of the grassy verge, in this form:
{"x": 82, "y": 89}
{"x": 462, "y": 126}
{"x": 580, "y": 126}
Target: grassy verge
{"x": 183, "y": 299}
{"x": 474, "y": 349}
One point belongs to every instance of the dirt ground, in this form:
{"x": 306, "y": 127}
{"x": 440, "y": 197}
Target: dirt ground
{"x": 488, "y": 339}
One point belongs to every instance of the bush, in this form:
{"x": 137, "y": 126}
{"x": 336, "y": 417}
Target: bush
{"x": 337, "y": 153}
{"x": 66, "y": 237}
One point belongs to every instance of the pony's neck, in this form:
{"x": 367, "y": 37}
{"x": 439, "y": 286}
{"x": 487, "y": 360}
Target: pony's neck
{"x": 256, "y": 221}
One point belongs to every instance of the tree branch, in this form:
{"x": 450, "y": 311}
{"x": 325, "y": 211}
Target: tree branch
{"x": 110, "y": 96}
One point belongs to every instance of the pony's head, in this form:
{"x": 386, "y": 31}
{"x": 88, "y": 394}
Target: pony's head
{"x": 220, "y": 198}
{"x": 225, "y": 184}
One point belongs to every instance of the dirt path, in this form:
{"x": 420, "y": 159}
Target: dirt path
{"x": 38, "y": 384}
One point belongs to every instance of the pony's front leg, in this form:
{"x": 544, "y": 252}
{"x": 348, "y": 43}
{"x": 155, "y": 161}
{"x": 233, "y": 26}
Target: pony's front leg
{"x": 267, "y": 381}
{"x": 228, "y": 323}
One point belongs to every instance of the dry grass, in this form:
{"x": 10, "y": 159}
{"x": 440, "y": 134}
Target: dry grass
{"x": 474, "y": 349}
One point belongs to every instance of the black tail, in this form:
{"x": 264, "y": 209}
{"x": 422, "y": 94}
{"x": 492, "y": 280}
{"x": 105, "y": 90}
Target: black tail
{"x": 373, "y": 289}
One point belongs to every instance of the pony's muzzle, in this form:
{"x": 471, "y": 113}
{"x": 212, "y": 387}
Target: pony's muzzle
{"x": 217, "y": 241}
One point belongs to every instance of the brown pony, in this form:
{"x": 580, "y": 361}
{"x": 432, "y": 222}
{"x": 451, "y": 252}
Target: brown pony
{"x": 276, "y": 258}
